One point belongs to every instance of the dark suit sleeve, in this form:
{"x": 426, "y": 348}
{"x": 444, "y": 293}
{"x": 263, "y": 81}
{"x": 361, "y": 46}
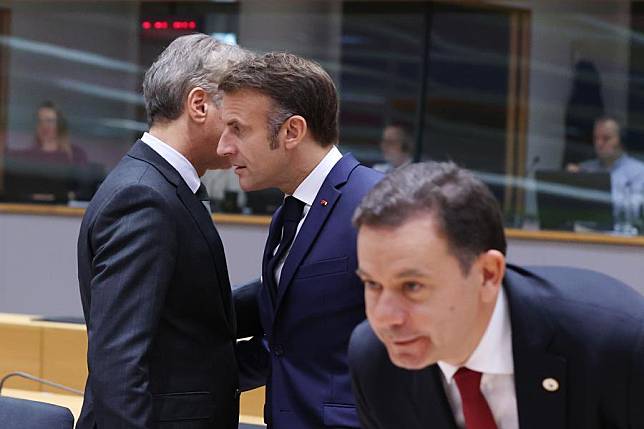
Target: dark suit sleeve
{"x": 247, "y": 310}
{"x": 253, "y": 362}
{"x": 366, "y": 421}
{"x": 252, "y": 355}
{"x": 636, "y": 405}
{"x": 357, "y": 366}
{"x": 134, "y": 242}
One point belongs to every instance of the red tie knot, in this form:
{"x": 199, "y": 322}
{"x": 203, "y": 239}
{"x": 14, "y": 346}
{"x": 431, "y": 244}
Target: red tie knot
{"x": 468, "y": 377}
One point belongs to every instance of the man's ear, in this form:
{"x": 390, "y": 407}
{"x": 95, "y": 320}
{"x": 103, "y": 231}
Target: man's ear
{"x": 294, "y": 129}
{"x": 197, "y": 104}
{"x": 492, "y": 266}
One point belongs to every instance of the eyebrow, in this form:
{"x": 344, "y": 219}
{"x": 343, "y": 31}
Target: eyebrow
{"x": 361, "y": 273}
{"x": 406, "y": 273}
{"x": 411, "y": 273}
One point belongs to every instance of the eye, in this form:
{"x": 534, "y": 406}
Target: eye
{"x": 369, "y": 285}
{"x": 412, "y": 287}
{"x": 234, "y": 128}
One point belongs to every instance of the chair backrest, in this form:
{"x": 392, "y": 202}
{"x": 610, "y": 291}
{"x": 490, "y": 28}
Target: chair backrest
{"x": 22, "y": 413}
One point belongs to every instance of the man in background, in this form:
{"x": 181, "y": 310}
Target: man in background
{"x": 151, "y": 266}
{"x": 396, "y": 145}
{"x": 457, "y": 339}
{"x": 626, "y": 173}
{"x": 281, "y": 116}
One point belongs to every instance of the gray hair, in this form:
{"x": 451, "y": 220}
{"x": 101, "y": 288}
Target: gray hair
{"x": 196, "y": 60}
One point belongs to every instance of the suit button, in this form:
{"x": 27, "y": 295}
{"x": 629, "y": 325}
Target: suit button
{"x": 237, "y": 394}
{"x": 278, "y": 349}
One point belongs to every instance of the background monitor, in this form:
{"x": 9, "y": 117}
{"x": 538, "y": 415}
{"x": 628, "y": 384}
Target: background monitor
{"x": 567, "y": 201}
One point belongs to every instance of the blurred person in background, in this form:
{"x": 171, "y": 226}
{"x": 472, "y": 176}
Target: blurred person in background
{"x": 396, "y": 146}
{"x": 51, "y": 142}
{"x": 626, "y": 172}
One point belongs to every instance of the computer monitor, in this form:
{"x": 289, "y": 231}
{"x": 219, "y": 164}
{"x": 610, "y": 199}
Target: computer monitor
{"x": 36, "y": 182}
{"x": 569, "y": 201}
{"x": 264, "y": 202}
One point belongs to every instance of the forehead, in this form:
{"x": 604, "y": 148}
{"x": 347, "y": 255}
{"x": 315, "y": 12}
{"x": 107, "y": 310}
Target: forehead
{"x": 392, "y": 133}
{"x": 606, "y": 127}
{"x": 46, "y": 111}
{"x": 245, "y": 103}
{"x": 416, "y": 244}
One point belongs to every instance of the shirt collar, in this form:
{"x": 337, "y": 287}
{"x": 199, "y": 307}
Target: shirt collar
{"x": 493, "y": 355}
{"x": 309, "y": 188}
{"x": 619, "y": 162}
{"x": 175, "y": 159}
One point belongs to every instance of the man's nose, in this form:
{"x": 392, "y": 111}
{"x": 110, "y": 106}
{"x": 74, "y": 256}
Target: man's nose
{"x": 389, "y": 310}
{"x": 225, "y": 146}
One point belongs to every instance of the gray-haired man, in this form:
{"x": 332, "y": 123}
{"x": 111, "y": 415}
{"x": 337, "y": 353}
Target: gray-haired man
{"x": 151, "y": 266}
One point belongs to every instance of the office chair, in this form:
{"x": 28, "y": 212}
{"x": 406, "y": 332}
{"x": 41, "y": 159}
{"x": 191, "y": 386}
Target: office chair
{"x": 22, "y": 413}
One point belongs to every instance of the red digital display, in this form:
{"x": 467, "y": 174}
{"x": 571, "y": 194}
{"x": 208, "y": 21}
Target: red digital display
{"x": 166, "y": 24}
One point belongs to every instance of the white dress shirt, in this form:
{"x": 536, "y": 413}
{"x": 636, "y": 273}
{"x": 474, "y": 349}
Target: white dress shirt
{"x": 179, "y": 162}
{"x": 306, "y": 192}
{"x": 493, "y": 358}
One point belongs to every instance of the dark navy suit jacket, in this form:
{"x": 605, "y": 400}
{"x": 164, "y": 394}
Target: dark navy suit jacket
{"x": 582, "y": 328}
{"x": 306, "y": 325}
{"x": 157, "y": 302}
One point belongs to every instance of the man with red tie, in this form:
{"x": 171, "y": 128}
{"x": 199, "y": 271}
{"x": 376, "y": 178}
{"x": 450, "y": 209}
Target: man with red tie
{"x": 457, "y": 339}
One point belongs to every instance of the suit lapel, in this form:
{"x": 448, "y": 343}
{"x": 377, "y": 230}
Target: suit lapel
{"x": 315, "y": 219}
{"x": 539, "y": 373}
{"x": 430, "y": 401}
{"x": 204, "y": 222}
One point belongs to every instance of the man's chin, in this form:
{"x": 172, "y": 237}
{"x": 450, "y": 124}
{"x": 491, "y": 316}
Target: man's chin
{"x": 409, "y": 360}
{"x": 249, "y": 186}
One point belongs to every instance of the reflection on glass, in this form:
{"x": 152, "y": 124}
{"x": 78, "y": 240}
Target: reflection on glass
{"x": 515, "y": 95}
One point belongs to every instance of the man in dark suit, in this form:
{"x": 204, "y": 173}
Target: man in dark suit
{"x": 153, "y": 280}
{"x": 455, "y": 339}
{"x": 281, "y": 130}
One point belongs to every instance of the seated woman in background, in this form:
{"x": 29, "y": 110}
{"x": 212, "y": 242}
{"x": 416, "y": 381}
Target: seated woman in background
{"x": 52, "y": 141}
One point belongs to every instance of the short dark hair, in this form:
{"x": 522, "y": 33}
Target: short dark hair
{"x": 296, "y": 85}
{"x": 465, "y": 209}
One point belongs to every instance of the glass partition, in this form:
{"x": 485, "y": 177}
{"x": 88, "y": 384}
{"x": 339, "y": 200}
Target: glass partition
{"x": 510, "y": 90}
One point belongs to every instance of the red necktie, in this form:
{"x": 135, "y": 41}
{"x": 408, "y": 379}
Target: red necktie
{"x": 475, "y": 408}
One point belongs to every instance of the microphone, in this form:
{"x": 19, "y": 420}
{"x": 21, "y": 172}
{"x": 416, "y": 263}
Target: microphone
{"x": 532, "y": 166}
